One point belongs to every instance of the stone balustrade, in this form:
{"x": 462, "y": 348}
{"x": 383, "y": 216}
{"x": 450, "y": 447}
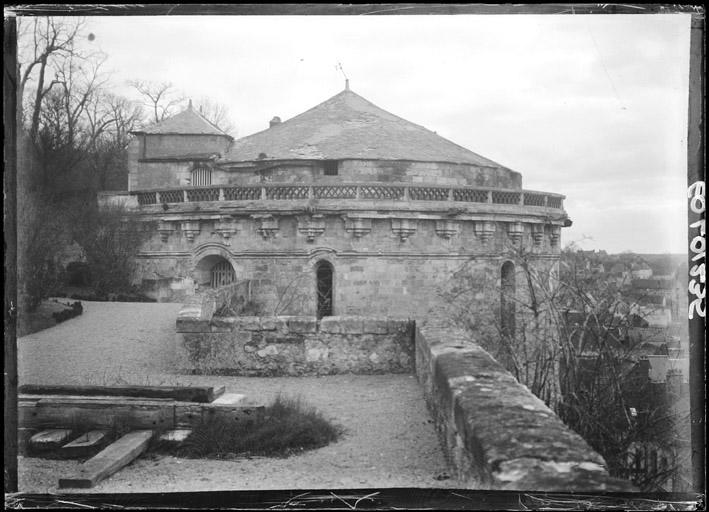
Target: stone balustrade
{"x": 351, "y": 191}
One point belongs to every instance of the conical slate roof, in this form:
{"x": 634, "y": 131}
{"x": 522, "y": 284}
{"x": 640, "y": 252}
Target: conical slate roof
{"x": 347, "y": 126}
{"x": 187, "y": 122}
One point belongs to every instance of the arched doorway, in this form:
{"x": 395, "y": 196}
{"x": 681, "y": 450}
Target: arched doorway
{"x": 507, "y": 299}
{"x": 214, "y": 271}
{"x": 324, "y": 279}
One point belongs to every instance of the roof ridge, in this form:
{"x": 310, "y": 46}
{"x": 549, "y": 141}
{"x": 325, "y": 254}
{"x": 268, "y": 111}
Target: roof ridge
{"x": 153, "y": 127}
{"x": 318, "y": 133}
{"x": 204, "y": 118}
{"x": 424, "y": 128}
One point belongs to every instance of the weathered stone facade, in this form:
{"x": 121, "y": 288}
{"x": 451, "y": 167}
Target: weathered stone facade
{"x": 394, "y": 208}
{"x": 494, "y": 432}
{"x": 295, "y": 345}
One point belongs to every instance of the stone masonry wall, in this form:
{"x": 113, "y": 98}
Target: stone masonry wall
{"x": 383, "y": 171}
{"x": 495, "y": 433}
{"x": 165, "y": 146}
{"x": 374, "y": 268}
{"x": 277, "y": 346}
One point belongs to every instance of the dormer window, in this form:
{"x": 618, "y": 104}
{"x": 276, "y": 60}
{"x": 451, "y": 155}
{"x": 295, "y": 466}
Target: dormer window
{"x": 201, "y": 176}
{"x": 331, "y": 167}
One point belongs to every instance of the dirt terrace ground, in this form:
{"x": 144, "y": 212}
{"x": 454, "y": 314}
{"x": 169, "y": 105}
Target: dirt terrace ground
{"x": 390, "y": 440}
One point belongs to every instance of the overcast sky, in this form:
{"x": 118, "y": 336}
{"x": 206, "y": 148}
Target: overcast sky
{"x": 593, "y": 107}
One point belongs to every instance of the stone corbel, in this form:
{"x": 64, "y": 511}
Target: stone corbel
{"x": 312, "y": 226}
{"x": 357, "y": 226}
{"x": 555, "y": 235}
{"x": 190, "y": 229}
{"x": 538, "y": 233}
{"x": 226, "y": 227}
{"x": 266, "y": 225}
{"x": 165, "y": 228}
{"x": 484, "y": 230}
{"x": 515, "y": 230}
{"x": 447, "y": 228}
{"x": 403, "y": 228}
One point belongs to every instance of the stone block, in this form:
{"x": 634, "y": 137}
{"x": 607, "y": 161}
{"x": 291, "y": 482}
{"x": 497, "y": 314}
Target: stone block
{"x": 222, "y": 324}
{"x": 330, "y": 324}
{"x": 191, "y": 311}
{"x": 303, "y": 325}
{"x": 375, "y": 326}
{"x": 352, "y": 324}
{"x": 192, "y": 325}
{"x": 269, "y": 323}
{"x": 248, "y": 323}
{"x": 270, "y": 350}
{"x": 398, "y": 325}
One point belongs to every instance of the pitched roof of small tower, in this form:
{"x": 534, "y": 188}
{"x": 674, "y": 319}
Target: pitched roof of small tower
{"x": 348, "y": 126}
{"x": 187, "y": 122}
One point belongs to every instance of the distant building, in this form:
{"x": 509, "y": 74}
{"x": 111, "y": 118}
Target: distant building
{"x": 641, "y": 270}
{"x": 659, "y": 403}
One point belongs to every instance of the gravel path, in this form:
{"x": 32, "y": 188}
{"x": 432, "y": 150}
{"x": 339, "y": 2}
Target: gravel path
{"x": 389, "y": 440}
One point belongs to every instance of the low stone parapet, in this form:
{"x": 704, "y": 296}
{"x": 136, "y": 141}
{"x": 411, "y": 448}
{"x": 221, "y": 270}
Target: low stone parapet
{"x": 293, "y": 345}
{"x": 200, "y": 308}
{"x": 495, "y": 433}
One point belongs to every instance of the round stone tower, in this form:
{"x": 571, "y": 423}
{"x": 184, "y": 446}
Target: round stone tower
{"x": 345, "y": 209}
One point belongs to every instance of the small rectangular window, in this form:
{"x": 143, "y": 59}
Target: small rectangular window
{"x": 331, "y": 167}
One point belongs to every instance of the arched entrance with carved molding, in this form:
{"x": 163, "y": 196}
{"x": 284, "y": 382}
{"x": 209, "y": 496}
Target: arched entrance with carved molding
{"x": 214, "y": 271}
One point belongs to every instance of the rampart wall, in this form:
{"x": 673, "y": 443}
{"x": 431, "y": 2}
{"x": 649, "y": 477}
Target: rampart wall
{"x": 494, "y": 432}
{"x": 293, "y": 345}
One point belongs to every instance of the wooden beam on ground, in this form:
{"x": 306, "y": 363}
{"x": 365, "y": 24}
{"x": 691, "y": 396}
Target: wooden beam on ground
{"x": 47, "y": 440}
{"x": 191, "y": 415}
{"x": 109, "y": 460}
{"x": 86, "y": 444}
{"x": 201, "y": 394}
{"x": 106, "y": 412}
{"x": 96, "y": 414}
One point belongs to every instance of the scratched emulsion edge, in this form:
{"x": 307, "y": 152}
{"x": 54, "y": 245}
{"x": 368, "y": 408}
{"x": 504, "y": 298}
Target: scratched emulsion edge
{"x": 696, "y": 237}
{"x": 389, "y": 497}
{"x": 10, "y": 250}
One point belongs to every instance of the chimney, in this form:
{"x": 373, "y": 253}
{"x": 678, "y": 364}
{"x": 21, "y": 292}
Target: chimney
{"x": 276, "y": 120}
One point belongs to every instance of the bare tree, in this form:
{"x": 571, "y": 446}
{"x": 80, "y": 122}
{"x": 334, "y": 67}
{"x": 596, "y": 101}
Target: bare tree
{"x": 569, "y": 343}
{"x": 217, "y": 114}
{"x": 160, "y": 98}
{"x": 42, "y": 40}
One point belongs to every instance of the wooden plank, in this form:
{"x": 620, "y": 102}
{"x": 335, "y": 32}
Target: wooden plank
{"x": 96, "y": 414}
{"x": 98, "y": 398}
{"x": 86, "y": 444}
{"x": 229, "y": 398}
{"x": 231, "y": 413}
{"x": 49, "y": 439}
{"x": 202, "y": 394}
{"x": 109, "y": 460}
{"x": 187, "y": 415}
